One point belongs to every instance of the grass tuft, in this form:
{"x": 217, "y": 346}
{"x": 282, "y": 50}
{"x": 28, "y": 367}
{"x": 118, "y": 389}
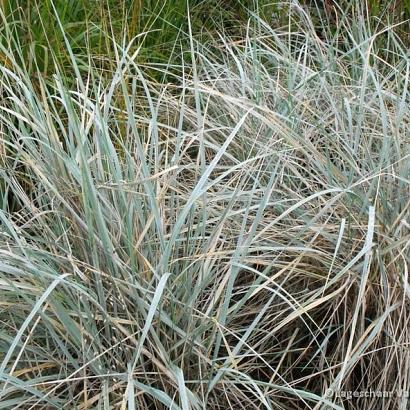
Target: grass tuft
{"x": 232, "y": 232}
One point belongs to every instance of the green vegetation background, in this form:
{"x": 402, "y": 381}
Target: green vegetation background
{"x": 35, "y": 34}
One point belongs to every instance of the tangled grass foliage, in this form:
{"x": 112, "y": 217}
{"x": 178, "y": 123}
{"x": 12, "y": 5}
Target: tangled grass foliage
{"x": 235, "y": 238}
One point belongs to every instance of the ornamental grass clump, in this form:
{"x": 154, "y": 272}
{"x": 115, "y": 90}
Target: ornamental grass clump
{"x": 234, "y": 237}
